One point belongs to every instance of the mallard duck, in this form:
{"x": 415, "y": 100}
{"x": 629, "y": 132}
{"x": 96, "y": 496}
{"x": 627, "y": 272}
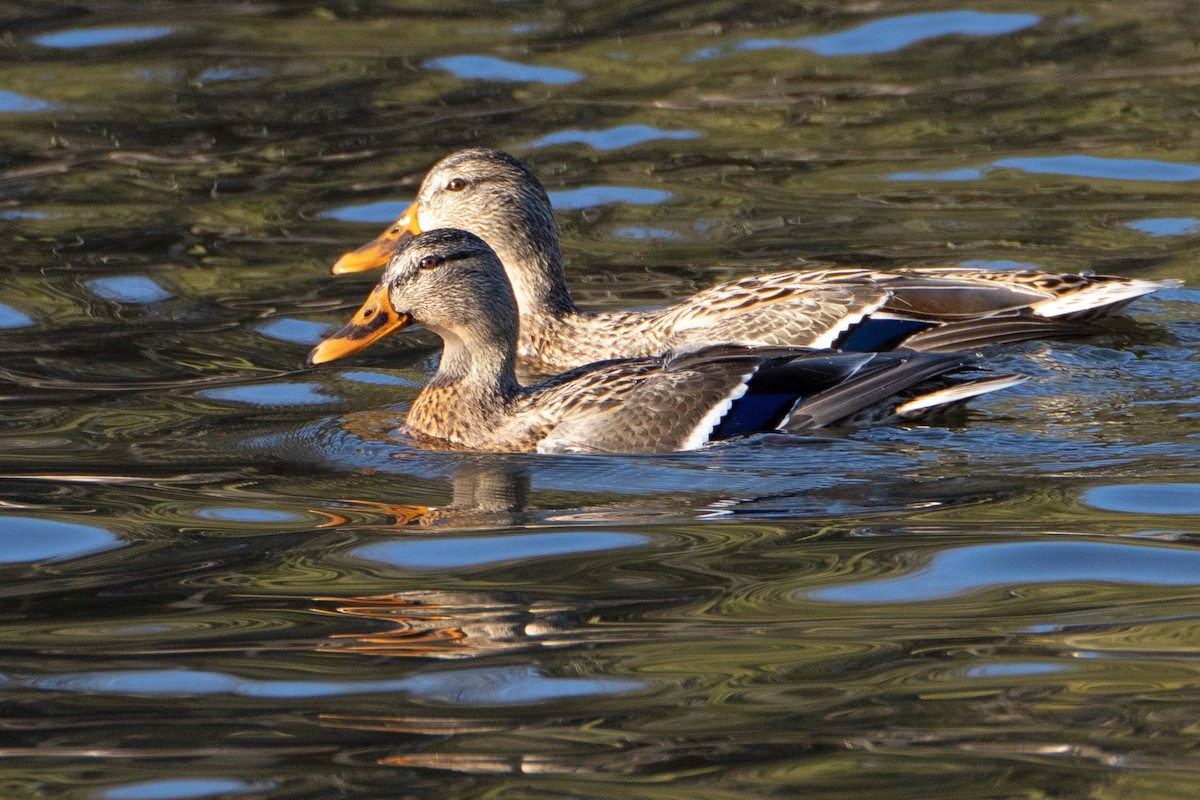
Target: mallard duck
{"x": 452, "y": 283}
{"x": 497, "y": 197}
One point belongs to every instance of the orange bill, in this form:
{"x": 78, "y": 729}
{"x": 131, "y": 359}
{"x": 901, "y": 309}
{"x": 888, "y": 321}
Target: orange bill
{"x": 379, "y": 252}
{"x": 373, "y": 321}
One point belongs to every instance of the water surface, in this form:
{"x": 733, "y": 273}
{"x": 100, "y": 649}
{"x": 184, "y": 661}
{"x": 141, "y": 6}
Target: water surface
{"x": 224, "y": 577}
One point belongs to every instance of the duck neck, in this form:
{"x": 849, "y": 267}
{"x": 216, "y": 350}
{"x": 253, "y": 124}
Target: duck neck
{"x": 532, "y": 259}
{"x": 475, "y": 380}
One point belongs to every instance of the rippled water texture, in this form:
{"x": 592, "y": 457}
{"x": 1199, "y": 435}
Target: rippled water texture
{"x": 223, "y": 578}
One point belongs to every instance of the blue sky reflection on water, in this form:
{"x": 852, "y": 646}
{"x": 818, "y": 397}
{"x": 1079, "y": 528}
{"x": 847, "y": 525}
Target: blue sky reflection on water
{"x": 215, "y": 75}
{"x": 483, "y": 686}
{"x": 971, "y": 569}
{"x": 11, "y": 102}
{"x": 891, "y": 34}
{"x": 1166, "y": 226}
{"x": 591, "y": 196}
{"x": 614, "y": 138}
{"x": 382, "y": 211}
{"x": 635, "y": 232}
{"x": 1118, "y": 169}
{"x": 185, "y": 789}
{"x": 136, "y": 289}
{"x": 12, "y": 318}
{"x": 25, "y": 540}
{"x": 1172, "y": 499}
{"x": 1014, "y": 669}
{"x": 270, "y": 394}
{"x": 99, "y": 37}
{"x": 300, "y": 331}
{"x": 247, "y": 514}
{"x": 235, "y": 610}
{"x": 497, "y": 69}
{"x": 377, "y": 378}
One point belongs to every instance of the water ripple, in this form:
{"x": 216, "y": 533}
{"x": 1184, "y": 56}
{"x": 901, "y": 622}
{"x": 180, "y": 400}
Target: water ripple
{"x": 383, "y": 211}
{"x": 497, "y": 69}
{"x": 299, "y": 331}
{"x": 457, "y": 552}
{"x": 271, "y": 394}
{"x": 891, "y": 34}
{"x": 30, "y": 540}
{"x": 129, "y": 289}
{"x": 214, "y": 74}
{"x": 1121, "y": 169}
{"x": 100, "y": 37}
{"x": 1146, "y": 498}
{"x": 13, "y": 103}
{"x": 613, "y": 138}
{"x": 247, "y": 514}
{"x": 1166, "y": 226}
{"x": 1014, "y": 669}
{"x": 185, "y": 789}
{"x": 590, "y": 196}
{"x": 12, "y": 318}
{"x": 482, "y": 686}
{"x": 962, "y": 570}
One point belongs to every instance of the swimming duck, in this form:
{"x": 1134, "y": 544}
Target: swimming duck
{"x": 497, "y": 197}
{"x": 452, "y": 283}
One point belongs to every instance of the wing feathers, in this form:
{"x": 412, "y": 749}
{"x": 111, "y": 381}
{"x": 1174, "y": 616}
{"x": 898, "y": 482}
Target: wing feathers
{"x": 870, "y": 387}
{"x": 1005, "y": 329}
{"x": 957, "y": 394}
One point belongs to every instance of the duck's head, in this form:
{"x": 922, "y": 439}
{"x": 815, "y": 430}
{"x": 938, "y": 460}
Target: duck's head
{"x": 485, "y": 191}
{"x": 446, "y": 280}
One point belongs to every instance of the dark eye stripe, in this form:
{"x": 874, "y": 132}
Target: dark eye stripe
{"x": 435, "y": 261}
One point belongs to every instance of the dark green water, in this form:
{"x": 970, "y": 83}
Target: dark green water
{"x": 209, "y": 589}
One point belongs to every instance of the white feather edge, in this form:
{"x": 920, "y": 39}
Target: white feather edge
{"x": 709, "y": 422}
{"x": 830, "y": 336}
{"x": 955, "y": 394}
{"x": 1099, "y": 296}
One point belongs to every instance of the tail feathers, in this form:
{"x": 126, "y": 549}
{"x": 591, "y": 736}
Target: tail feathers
{"x": 1004, "y": 329}
{"x": 1100, "y": 298}
{"x": 956, "y": 394}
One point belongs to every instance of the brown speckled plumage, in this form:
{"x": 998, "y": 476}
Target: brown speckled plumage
{"x": 497, "y": 197}
{"x": 450, "y": 282}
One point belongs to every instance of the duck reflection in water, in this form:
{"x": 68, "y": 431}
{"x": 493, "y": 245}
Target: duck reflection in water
{"x": 483, "y": 496}
{"x": 447, "y": 623}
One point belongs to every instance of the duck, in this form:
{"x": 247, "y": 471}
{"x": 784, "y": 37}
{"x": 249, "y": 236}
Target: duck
{"x": 937, "y": 309}
{"x": 453, "y": 284}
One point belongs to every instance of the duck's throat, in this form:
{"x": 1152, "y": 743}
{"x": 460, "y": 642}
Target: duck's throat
{"x": 474, "y": 382}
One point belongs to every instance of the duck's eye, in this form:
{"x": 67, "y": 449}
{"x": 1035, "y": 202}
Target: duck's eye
{"x": 456, "y": 185}
{"x": 429, "y": 262}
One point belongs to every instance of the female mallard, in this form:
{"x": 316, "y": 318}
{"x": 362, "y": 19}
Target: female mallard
{"x": 452, "y": 283}
{"x": 498, "y": 198}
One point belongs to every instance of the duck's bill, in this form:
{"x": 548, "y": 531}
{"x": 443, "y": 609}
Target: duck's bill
{"x": 379, "y": 252}
{"x": 373, "y": 321}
